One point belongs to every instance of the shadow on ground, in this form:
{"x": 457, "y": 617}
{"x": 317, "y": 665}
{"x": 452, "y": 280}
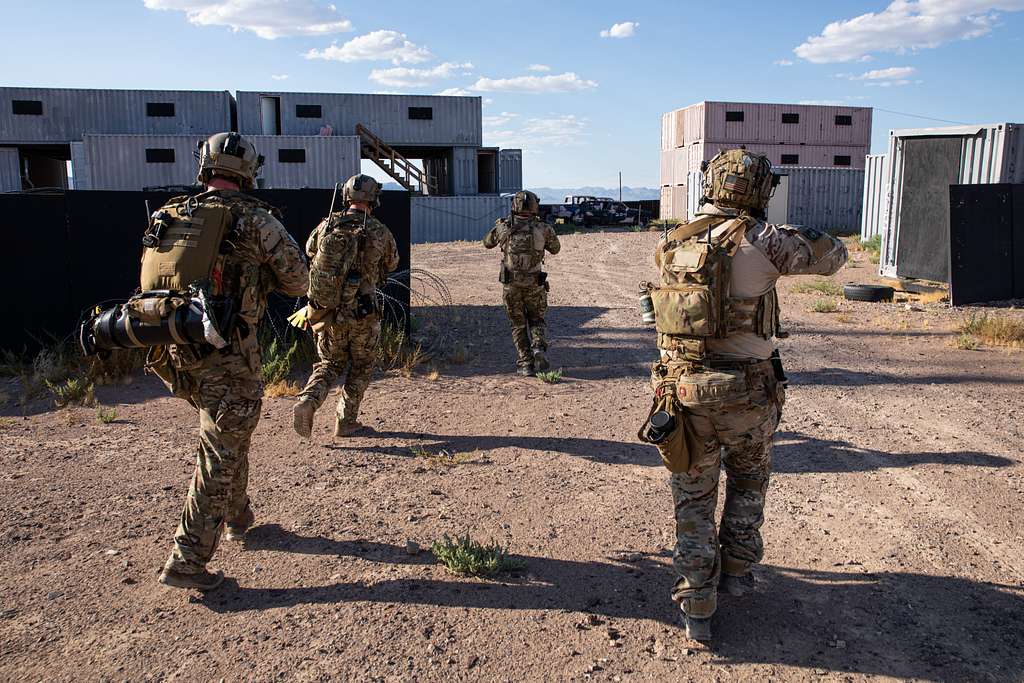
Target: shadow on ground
{"x": 885, "y": 623}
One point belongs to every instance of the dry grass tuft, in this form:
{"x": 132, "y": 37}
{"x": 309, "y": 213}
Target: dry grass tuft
{"x": 282, "y": 389}
{"x": 824, "y": 306}
{"x": 995, "y": 330}
{"x": 433, "y": 375}
{"x": 821, "y": 286}
{"x": 106, "y": 415}
{"x": 933, "y": 297}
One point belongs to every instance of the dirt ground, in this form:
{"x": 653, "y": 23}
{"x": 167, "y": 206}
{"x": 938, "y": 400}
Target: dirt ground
{"x": 894, "y": 534}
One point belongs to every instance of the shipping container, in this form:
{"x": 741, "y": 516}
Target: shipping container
{"x": 809, "y": 124}
{"x": 876, "y": 196}
{"x": 510, "y": 172}
{"x": 62, "y": 115}
{"x": 132, "y": 162}
{"x": 10, "y": 170}
{"x": 399, "y": 120}
{"x": 448, "y": 219}
{"x": 923, "y": 163}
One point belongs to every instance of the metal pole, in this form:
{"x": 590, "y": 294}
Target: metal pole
{"x": 620, "y": 186}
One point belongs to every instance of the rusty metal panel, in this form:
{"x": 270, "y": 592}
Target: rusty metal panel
{"x": 762, "y": 123}
{"x": 455, "y": 121}
{"x": 449, "y": 219}
{"x": 510, "y": 170}
{"x": 876, "y": 196}
{"x": 10, "y": 170}
{"x": 69, "y": 114}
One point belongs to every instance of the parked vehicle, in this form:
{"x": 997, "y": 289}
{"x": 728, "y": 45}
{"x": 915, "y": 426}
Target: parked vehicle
{"x": 604, "y": 211}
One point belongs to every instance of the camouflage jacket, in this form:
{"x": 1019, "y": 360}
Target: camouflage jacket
{"x": 377, "y": 257}
{"x": 542, "y": 238}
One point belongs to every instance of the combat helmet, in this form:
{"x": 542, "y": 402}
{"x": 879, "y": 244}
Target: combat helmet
{"x": 739, "y": 179}
{"x": 231, "y": 156}
{"x": 361, "y": 188}
{"x": 525, "y": 201}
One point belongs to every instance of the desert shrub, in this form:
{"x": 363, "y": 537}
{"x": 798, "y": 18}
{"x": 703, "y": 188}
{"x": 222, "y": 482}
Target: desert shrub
{"x": 550, "y": 376}
{"x": 995, "y": 329}
{"x": 463, "y": 555}
{"x": 820, "y": 286}
{"x": 824, "y": 306}
{"x": 106, "y": 415}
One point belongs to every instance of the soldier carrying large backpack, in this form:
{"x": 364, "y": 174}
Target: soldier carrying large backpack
{"x": 351, "y": 255}
{"x": 208, "y": 263}
{"x": 523, "y": 239}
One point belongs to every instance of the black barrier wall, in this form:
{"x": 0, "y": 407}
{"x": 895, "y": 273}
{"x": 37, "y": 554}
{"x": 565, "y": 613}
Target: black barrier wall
{"x": 70, "y": 251}
{"x": 986, "y": 243}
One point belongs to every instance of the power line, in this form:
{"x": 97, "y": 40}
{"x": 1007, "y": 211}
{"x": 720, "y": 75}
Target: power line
{"x": 918, "y": 116}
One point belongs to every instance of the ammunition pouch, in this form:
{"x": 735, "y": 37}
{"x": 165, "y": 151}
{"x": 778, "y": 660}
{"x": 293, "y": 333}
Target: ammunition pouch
{"x": 159, "y": 318}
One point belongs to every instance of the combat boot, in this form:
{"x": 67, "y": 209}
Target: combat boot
{"x": 346, "y": 427}
{"x": 697, "y": 628}
{"x": 540, "y": 361}
{"x": 203, "y": 581}
{"x": 302, "y": 415}
{"x": 736, "y": 586}
{"x": 235, "y": 529}
{"x": 526, "y": 369}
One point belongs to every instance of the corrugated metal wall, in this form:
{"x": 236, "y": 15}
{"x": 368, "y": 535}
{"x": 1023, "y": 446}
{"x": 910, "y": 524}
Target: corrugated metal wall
{"x": 10, "y": 170}
{"x": 70, "y": 114}
{"x": 447, "y": 219}
{"x": 118, "y": 162}
{"x": 510, "y": 171}
{"x": 991, "y": 153}
{"x": 464, "y": 171}
{"x": 763, "y": 123}
{"x": 876, "y": 196}
{"x": 455, "y": 120}
{"x": 827, "y": 199}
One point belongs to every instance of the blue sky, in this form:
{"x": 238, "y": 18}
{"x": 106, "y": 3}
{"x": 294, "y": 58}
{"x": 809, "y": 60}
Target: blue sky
{"x": 581, "y": 86}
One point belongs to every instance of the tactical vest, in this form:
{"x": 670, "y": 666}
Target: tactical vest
{"x": 334, "y": 275}
{"x": 523, "y": 248}
{"x": 694, "y": 303}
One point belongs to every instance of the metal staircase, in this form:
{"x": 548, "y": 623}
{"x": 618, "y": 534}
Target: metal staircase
{"x": 394, "y": 164}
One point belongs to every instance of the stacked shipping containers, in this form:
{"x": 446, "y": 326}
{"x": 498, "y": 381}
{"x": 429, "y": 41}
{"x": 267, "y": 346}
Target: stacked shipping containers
{"x": 790, "y": 135}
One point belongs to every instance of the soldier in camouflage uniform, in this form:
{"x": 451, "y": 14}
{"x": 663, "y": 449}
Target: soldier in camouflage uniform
{"x": 225, "y": 386}
{"x": 723, "y": 380}
{"x": 351, "y": 254}
{"x": 523, "y": 239}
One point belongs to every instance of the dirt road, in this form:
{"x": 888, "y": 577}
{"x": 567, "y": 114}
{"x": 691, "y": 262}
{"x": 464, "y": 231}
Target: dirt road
{"x": 895, "y": 539}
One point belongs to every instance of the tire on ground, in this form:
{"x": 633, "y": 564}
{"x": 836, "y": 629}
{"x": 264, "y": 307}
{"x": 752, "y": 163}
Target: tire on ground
{"x": 870, "y": 293}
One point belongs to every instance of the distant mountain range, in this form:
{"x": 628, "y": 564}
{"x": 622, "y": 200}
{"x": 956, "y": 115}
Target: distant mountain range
{"x": 555, "y": 195}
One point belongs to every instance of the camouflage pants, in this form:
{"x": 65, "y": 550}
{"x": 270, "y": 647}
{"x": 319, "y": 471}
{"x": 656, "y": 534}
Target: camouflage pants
{"x": 526, "y": 306}
{"x": 739, "y": 436}
{"x": 227, "y": 394}
{"x": 349, "y": 348}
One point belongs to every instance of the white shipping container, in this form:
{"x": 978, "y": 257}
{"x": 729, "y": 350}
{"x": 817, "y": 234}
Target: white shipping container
{"x": 876, "y": 196}
{"x": 989, "y": 153}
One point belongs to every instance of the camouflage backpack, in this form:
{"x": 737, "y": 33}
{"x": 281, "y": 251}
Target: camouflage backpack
{"x": 694, "y": 302}
{"x": 334, "y": 273}
{"x": 524, "y": 247}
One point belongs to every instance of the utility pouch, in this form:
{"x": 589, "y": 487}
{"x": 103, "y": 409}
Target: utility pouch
{"x": 542, "y": 279}
{"x": 685, "y": 310}
{"x": 711, "y": 387}
{"x": 666, "y": 428}
{"x": 505, "y": 276}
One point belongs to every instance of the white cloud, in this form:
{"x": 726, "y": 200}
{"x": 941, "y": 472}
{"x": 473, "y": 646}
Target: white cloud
{"x": 499, "y": 119}
{"x": 268, "y": 19}
{"x": 389, "y": 46}
{"x": 891, "y": 74}
{"x": 833, "y": 103}
{"x": 455, "y": 92}
{"x": 625, "y": 29}
{"x": 406, "y": 77}
{"x": 783, "y": 62}
{"x": 279, "y": 77}
{"x": 904, "y": 25}
{"x": 557, "y": 130}
{"x": 534, "y": 84}
{"x": 543, "y": 68}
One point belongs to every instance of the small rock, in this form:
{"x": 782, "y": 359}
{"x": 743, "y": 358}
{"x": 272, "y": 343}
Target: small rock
{"x": 614, "y": 643}
{"x": 53, "y": 595}
{"x": 111, "y": 552}
{"x": 432, "y": 649}
{"x": 472, "y": 661}
{"x": 128, "y": 581}
{"x": 412, "y": 547}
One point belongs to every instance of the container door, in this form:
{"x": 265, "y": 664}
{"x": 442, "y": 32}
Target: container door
{"x": 930, "y": 166}
{"x": 778, "y": 207}
{"x": 270, "y": 115}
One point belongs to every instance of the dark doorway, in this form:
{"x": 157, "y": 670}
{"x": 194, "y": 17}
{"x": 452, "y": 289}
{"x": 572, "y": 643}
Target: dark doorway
{"x": 44, "y": 166}
{"x": 487, "y": 171}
